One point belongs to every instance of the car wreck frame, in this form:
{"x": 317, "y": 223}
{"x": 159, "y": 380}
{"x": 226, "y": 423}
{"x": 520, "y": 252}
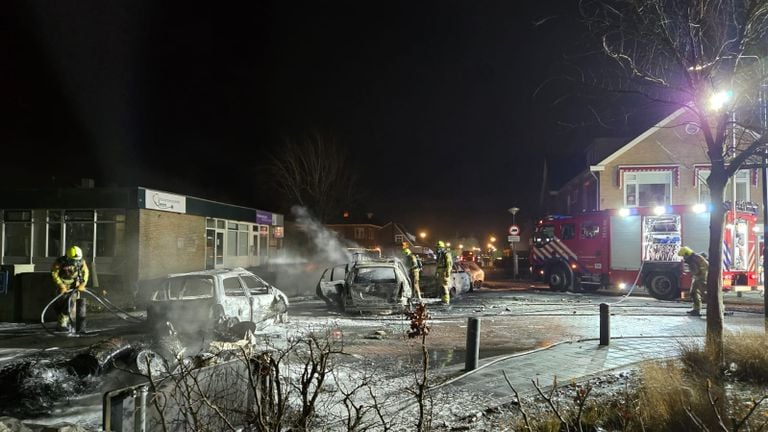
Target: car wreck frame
{"x": 376, "y": 285}
{"x": 216, "y": 299}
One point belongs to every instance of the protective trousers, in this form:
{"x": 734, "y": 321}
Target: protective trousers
{"x": 698, "y": 285}
{"x": 415, "y": 280}
{"x": 442, "y": 278}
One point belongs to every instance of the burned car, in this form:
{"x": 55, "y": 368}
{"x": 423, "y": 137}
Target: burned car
{"x": 215, "y": 299}
{"x": 373, "y": 285}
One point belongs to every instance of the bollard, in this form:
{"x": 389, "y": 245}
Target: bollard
{"x": 473, "y": 343}
{"x": 140, "y": 410}
{"x": 80, "y": 315}
{"x": 605, "y": 324}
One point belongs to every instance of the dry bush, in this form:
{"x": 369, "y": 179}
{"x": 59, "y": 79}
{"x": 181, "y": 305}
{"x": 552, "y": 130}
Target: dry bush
{"x": 699, "y": 363}
{"x": 667, "y": 391}
{"x": 747, "y": 356}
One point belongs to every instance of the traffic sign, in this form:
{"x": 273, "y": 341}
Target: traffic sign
{"x": 513, "y": 239}
{"x": 514, "y": 230}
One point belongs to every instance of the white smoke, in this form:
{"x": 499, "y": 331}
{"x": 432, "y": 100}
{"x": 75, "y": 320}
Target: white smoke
{"x": 297, "y": 270}
{"x": 328, "y": 246}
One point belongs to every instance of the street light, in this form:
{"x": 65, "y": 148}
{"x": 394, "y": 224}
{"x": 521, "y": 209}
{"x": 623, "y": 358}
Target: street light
{"x": 514, "y": 211}
{"x": 422, "y": 235}
{"x": 493, "y": 239}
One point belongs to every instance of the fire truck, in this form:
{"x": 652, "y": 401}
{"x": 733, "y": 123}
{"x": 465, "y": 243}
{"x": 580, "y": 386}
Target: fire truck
{"x": 638, "y": 246}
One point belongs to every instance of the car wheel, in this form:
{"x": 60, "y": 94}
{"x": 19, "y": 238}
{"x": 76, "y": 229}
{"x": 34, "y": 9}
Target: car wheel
{"x": 559, "y": 279}
{"x": 662, "y": 286}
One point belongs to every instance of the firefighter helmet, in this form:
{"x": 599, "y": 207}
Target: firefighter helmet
{"x": 440, "y": 244}
{"x": 407, "y": 251}
{"x": 685, "y": 251}
{"x": 74, "y": 252}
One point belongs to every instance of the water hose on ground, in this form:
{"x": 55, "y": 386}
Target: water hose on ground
{"x": 104, "y": 302}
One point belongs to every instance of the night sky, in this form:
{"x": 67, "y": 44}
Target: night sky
{"x": 436, "y": 101}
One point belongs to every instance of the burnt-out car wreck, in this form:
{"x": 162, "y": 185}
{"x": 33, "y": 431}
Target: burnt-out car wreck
{"x": 377, "y": 285}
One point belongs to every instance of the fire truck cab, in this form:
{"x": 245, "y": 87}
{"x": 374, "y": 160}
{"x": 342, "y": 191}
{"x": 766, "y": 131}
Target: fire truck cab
{"x": 638, "y": 246}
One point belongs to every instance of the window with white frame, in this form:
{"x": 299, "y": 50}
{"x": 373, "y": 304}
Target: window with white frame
{"x": 742, "y": 186}
{"x": 237, "y": 239}
{"x": 399, "y": 238}
{"x": 359, "y": 233}
{"x": 647, "y": 188}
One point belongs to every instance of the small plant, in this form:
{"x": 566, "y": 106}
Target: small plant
{"x": 420, "y": 328}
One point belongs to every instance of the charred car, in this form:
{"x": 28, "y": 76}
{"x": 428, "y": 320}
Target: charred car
{"x": 215, "y": 299}
{"x": 372, "y": 285}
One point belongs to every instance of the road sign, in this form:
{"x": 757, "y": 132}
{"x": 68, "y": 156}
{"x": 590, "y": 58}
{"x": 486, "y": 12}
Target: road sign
{"x": 514, "y": 230}
{"x": 513, "y": 238}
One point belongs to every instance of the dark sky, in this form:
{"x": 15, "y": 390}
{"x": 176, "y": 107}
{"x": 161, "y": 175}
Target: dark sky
{"x": 434, "y": 99}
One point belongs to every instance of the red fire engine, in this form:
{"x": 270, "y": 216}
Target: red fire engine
{"x": 618, "y": 248}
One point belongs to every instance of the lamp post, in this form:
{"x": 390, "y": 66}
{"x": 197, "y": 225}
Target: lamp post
{"x": 514, "y": 211}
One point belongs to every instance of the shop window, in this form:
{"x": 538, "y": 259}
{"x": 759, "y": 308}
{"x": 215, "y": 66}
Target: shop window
{"x": 237, "y": 239}
{"x": 359, "y": 233}
{"x": 18, "y": 237}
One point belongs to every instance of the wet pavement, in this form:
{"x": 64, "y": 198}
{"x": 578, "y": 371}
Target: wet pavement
{"x": 527, "y": 333}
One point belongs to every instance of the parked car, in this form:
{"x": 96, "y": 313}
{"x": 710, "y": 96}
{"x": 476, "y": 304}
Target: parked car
{"x": 373, "y": 285}
{"x": 215, "y": 299}
{"x": 476, "y": 274}
{"x": 460, "y": 282}
{"x": 467, "y": 255}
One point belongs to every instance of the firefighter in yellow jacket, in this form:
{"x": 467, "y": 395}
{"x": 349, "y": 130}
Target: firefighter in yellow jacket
{"x": 699, "y": 267}
{"x": 443, "y": 271}
{"x": 70, "y": 274}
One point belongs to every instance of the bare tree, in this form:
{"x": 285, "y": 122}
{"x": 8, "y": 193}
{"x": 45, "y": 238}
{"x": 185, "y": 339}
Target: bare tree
{"x": 316, "y": 173}
{"x": 680, "y": 53}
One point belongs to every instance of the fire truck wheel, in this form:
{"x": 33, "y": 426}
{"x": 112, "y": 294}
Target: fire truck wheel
{"x": 559, "y": 279}
{"x": 662, "y": 286}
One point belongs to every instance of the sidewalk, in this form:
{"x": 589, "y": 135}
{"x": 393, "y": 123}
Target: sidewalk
{"x": 568, "y": 362}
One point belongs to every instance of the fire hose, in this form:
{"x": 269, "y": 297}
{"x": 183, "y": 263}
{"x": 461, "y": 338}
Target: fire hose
{"x": 109, "y": 306}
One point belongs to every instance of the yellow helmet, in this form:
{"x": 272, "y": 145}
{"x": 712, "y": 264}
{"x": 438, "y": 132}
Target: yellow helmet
{"x": 440, "y": 244}
{"x": 685, "y": 251}
{"x": 407, "y": 251}
{"x": 74, "y": 252}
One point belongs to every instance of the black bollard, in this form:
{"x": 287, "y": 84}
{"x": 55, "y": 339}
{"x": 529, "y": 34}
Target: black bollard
{"x": 605, "y": 324}
{"x": 80, "y": 315}
{"x": 473, "y": 343}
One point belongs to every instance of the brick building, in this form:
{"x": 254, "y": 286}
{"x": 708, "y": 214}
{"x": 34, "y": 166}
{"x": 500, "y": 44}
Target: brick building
{"x": 130, "y": 235}
{"x": 665, "y": 165}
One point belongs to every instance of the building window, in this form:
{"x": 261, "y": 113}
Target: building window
{"x": 18, "y": 233}
{"x": 742, "y": 186}
{"x": 237, "y": 239}
{"x": 359, "y": 233}
{"x": 647, "y": 188}
{"x": 110, "y": 232}
{"x": 79, "y": 230}
{"x": 399, "y": 238}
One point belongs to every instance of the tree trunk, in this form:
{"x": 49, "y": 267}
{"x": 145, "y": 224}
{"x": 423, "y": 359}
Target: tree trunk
{"x": 714, "y": 342}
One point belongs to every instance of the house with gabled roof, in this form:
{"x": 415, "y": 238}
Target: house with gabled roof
{"x": 665, "y": 165}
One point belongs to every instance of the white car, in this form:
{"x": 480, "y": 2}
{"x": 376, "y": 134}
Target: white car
{"x": 215, "y": 299}
{"x": 476, "y": 274}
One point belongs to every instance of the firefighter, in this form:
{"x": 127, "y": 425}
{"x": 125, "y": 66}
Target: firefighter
{"x": 698, "y": 266}
{"x": 443, "y": 271}
{"x": 413, "y": 264}
{"x": 70, "y": 274}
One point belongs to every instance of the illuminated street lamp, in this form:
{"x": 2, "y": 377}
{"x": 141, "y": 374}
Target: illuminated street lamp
{"x": 422, "y": 235}
{"x": 493, "y": 239}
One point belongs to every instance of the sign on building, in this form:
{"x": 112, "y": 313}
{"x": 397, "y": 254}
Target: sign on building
{"x": 164, "y": 201}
